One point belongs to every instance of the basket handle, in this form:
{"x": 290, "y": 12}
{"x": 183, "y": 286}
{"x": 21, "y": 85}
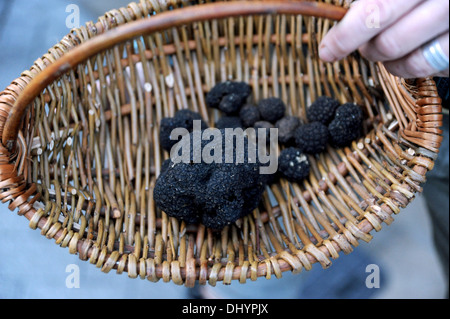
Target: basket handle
{"x": 155, "y": 23}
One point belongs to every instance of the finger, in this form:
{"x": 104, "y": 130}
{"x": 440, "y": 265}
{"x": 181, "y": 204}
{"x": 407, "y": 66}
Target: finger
{"x": 415, "y": 65}
{"x": 364, "y": 20}
{"x": 422, "y": 24}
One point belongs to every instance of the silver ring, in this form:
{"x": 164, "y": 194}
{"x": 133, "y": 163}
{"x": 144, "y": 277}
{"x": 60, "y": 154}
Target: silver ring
{"x": 435, "y": 56}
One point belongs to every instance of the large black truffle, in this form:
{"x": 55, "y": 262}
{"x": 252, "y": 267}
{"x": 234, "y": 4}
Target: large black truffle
{"x": 346, "y": 126}
{"x": 249, "y": 115}
{"x": 229, "y": 97}
{"x": 271, "y": 109}
{"x": 312, "y": 138}
{"x": 286, "y": 128}
{"x": 182, "y": 119}
{"x": 322, "y": 110}
{"x": 215, "y": 194}
{"x": 293, "y": 164}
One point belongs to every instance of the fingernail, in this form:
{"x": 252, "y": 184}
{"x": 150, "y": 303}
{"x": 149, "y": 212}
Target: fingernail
{"x": 325, "y": 54}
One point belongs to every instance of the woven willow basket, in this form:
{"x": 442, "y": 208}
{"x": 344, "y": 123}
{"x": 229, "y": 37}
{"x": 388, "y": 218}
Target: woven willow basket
{"x": 80, "y": 151}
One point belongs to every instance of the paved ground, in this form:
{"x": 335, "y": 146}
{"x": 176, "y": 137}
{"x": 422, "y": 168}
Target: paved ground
{"x": 32, "y": 266}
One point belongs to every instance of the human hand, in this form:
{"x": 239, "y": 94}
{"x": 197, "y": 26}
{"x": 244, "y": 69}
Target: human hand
{"x": 398, "y": 33}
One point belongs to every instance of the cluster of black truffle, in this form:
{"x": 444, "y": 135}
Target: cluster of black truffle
{"x": 218, "y": 194}
{"x": 329, "y": 122}
{"x": 343, "y": 122}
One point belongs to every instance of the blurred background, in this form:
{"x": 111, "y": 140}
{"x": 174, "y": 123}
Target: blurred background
{"x": 32, "y": 266}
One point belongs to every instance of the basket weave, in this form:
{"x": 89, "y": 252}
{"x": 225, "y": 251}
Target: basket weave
{"x": 80, "y": 151}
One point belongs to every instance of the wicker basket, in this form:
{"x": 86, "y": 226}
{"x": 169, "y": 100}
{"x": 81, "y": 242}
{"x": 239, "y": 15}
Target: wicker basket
{"x": 80, "y": 151}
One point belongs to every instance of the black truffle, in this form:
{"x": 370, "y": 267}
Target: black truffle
{"x": 229, "y": 97}
{"x": 312, "y": 138}
{"x": 286, "y": 128}
{"x": 271, "y": 109}
{"x": 322, "y": 110}
{"x": 182, "y": 119}
{"x": 249, "y": 115}
{"x": 228, "y": 122}
{"x": 215, "y": 194}
{"x": 346, "y": 126}
{"x": 293, "y": 164}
